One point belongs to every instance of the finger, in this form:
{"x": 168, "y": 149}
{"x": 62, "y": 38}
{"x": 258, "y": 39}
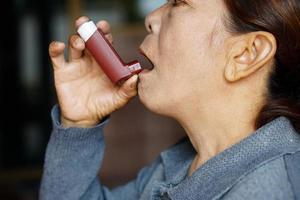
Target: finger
{"x": 81, "y": 20}
{"x": 104, "y": 26}
{"x": 56, "y": 52}
{"x": 76, "y": 47}
{"x": 128, "y": 89}
{"x": 109, "y": 37}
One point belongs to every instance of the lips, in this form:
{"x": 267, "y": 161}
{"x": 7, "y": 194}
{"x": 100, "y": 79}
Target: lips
{"x": 142, "y": 52}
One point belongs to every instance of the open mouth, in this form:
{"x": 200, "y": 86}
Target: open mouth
{"x": 151, "y": 66}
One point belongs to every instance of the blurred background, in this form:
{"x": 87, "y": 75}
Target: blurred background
{"x": 134, "y": 136}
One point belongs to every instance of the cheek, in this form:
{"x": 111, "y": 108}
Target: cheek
{"x": 181, "y": 59}
{"x": 191, "y": 67}
{"x": 186, "y": 64}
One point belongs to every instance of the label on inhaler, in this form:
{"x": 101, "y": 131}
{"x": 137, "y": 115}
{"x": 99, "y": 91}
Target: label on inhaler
{"x": 135, "y": 67}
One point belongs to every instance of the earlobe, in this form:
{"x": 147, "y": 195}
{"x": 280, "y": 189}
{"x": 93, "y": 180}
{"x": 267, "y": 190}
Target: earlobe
{"x": 248, "y": 54}
{"x": 229, "y": 73}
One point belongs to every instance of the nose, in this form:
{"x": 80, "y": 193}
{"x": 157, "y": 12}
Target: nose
{"x": 153, "y": 22}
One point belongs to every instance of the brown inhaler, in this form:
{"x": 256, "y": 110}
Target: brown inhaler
{"x": 105, "y": 55}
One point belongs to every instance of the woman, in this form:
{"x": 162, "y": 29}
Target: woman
{"x": 228, "y": 71}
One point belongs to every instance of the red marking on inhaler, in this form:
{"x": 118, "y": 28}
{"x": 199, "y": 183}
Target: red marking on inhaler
{"x": 105, "y": 55}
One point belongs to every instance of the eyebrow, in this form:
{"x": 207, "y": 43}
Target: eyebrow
{"x": 191, "y": 2}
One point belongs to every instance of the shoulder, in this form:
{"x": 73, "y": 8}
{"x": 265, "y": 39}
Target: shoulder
{"x": 292, "y": 163}
{"x": 277, "y": 178}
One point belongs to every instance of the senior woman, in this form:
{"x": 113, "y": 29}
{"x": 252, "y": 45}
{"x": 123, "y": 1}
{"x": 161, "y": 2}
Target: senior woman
{"x": 227, "y": 70}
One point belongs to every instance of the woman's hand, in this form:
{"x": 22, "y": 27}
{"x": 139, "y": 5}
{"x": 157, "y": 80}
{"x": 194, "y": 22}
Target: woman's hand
{"x": 85, "y": 93}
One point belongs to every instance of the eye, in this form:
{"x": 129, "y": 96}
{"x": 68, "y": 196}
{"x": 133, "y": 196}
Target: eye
{"x": 176, "y": 2}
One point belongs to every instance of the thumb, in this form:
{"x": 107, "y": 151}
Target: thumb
{"x": 129, "y": 88}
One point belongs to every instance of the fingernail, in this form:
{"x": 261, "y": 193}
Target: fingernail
{"x": 57, "y": 44}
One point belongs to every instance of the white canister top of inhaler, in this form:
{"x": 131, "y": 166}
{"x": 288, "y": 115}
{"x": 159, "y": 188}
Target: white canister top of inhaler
{"x": 86, "y": 30}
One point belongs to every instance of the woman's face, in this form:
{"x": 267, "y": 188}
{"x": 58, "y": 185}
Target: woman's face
{"x": 186, "y": 46}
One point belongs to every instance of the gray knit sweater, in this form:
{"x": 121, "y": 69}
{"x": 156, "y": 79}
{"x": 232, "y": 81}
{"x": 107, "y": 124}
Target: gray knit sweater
{"x": 266, "y": 165}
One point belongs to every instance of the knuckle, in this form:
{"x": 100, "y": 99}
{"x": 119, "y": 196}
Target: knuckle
{"x": 124, "y": 96}
{"x": 73, "y": 39}
{"x": 109, "y": 37}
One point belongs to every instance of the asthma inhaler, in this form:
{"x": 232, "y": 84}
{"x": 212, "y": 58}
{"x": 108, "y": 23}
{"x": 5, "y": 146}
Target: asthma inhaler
{"x": 105, "y": 55}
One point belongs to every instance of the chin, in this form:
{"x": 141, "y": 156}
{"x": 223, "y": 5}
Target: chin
{"x": 152, "y": 93}
{"x": 153, "y": 101}
{"x": 146, "y": 98}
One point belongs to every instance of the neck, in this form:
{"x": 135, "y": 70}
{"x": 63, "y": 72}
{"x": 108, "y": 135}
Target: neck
{"x": 216, "y": 126}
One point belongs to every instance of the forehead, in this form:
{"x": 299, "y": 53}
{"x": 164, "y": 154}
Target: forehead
{"x": 207, "y": 4}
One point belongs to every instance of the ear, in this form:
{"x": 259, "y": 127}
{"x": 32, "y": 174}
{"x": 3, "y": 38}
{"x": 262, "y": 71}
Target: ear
{"x": 248, "y": 53}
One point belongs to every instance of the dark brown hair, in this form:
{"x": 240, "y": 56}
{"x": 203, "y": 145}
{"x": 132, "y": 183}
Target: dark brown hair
{"x": 282, "y": 19}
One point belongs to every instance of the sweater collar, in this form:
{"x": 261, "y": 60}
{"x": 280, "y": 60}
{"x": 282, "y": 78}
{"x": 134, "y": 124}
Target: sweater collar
{"x": 220, "y": 173}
